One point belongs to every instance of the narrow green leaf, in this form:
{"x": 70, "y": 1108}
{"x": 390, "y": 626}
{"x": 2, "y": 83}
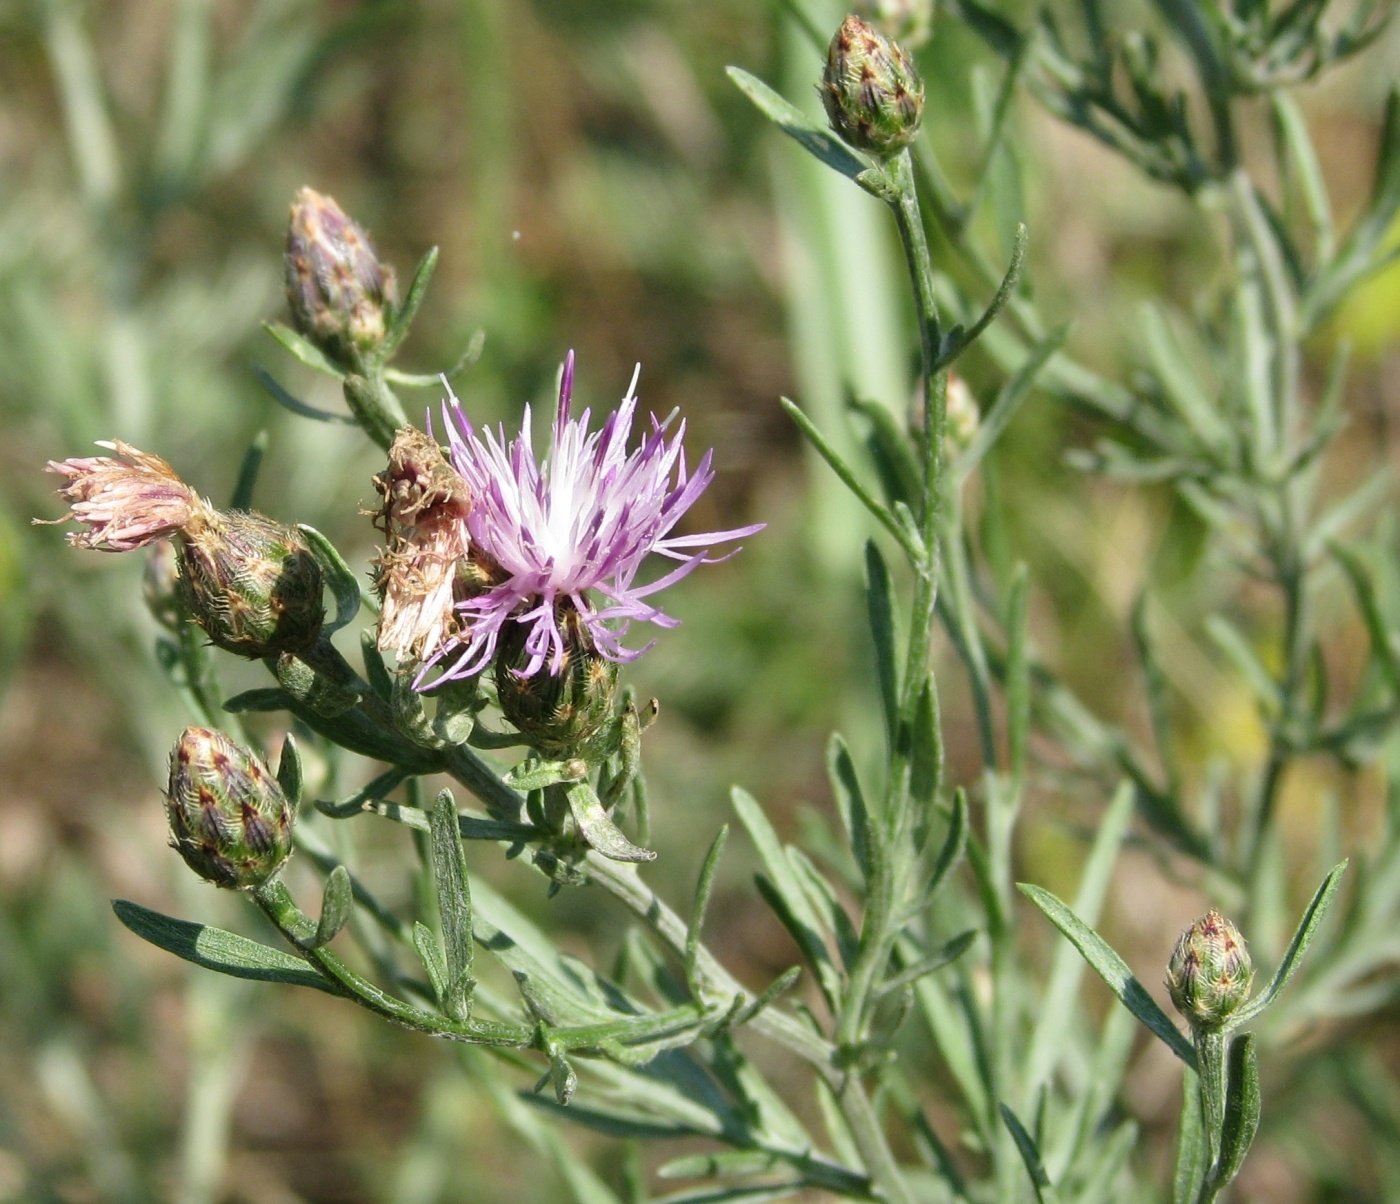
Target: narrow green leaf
{"x": 354, "y": 803}
{"x": 702, "y": 901}
{"x": 848, "y": 477}
{"x": 797, "y": 125}
{"x": 1030, "y": 1155}
{"x": 430, "y": 954}
{"x": 752, "y": 1194}
{"x": 879, "y": 605}
{"x": 940, "y": 957}
{"x": 850, "y": 800}
{"x": 289, "y": 775}
{"x": 381, "y": 681}
{"x": 288, "y": 402}
{"x": 1112, "y": 969}
{"x": 954, "y": 843}
{"x": 345, "y": 586}
{"x": 216, "y": 949}
{"x": 1190, "y": 1167}
{"x": 784, "y": 894}
{"x": 304, "y": 350}
{"x": 403, "y": 319}
{"x": 1156, "y": 688}
{"x": 454, "y": 905}
{"x": 258, "y": 701}
{"x": 337, "y": 904}
{"x": 433, "y": 380}
{"x": 1242, "y": 1107}
{"x": 242, "y": 498}
{"x": 1231, "y": 642}
{"x": 1382, "y": 649}
{"x": 1304, "y": 169}
{"x": 959, "y": 340}
{"x": 892, "y": 451}
{"x": 598, "y": 829}
{"x": 1292, "y": 958}
{"x": 1199, "y": 412}
{"x": 925, "y": 762}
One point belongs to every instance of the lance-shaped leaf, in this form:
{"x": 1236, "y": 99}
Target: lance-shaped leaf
{"x": 1292, "y": 957}
{"x": 337, "y": 904}
{"x": 345, "y": 586}
{"x": 818, "y": 141}
{"x": 1112, "y": 969}
{"x": 598, "y": 830}
{"x": 879, "y": 592}
{"x": 1190, "y": 1167}
{"x": 454, "y": 905}
{"x": 1030, "y": 1155}
{"x": 216, "y": 949}
{"x": 1242, "y": 1108}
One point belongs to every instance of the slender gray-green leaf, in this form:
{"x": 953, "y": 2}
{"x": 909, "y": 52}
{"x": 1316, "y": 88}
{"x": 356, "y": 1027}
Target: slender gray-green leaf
{"x": 752, "y": 1194}
{"x": 430, "y": 954}
{"x": 248, "y": 469}
{"x": 702, "y": 901}
{"x": 345, "y": 586}
{"x": 1030, "y": 1155}
{"x": 879, "y": 606}
{"x": 1382, "y": 649}
{"x": 1061, "y": 997}
{"x": 1112, "y": 969}
{"x": 784, "y": 893}
{"x": 303, "y": 349}
{"x": 954, "y": 843}
{"x": 797, "y": 125}
{"x": 216, "y": 949}
{"x": 1292, "y": 958}
{"x": 1017, "y": 676}
{"x": 1190, "y": 1167}
{"x": 1242, "y": 1107}
{"x": 289, "y": 402}
{"x": 403, "y": 319}
{"x": 337, "y": 904}
{"x": 1009, "y": 400}
{"x": 850, "y": 800}
{"x": 940, "y": 957}
{"x": 258, "y": 701}
{"x": 1236, "y": 648}
{"x": 454, "y": 905}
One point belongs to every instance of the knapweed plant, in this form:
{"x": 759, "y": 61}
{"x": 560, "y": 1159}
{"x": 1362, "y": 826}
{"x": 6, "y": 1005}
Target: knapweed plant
{"x": 516, "y": 583}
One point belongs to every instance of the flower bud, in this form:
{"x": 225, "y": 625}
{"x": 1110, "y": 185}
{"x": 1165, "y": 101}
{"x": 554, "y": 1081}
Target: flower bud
{"x": 1210, "y": 973}
{"x": 341, "y": 296}
{"x": 252, "y": 584}
{"x": 127, "y": 501}
{"x": 423, "y": 518}
{"x": 908, "y": 22}
{"x": 961, "y": 416}
{"x": 872, "y": 93}
{"x": 560, "y": 714}
{"x": 228, "y": 816}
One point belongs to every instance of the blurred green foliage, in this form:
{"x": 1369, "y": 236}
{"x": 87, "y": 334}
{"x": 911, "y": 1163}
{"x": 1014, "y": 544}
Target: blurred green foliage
{"x": 594, "y": 181}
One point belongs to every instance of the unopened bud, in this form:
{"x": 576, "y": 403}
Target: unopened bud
{"x": 252, "y": 584}
{"x": 126, "y": 502}
{"x": 961, "y": 416}
{"x": 229, "y": 818}
{"x": 423, "y": 518}
{"x": 872, "y": 93}
{"x": 1210, "y": 973}
{"x": 341, "y": 296}
{"x": 560, "y": 714}
{"x": 908, "y": 22}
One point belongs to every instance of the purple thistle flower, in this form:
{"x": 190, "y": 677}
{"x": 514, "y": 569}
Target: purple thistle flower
{"x": 579, "y": 523}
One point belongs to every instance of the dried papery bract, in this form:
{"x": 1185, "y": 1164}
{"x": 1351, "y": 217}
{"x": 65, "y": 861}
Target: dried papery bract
{"x": 253, "y": 584}
{"x": 340, "y": 294}
{"x": 423, "y": 517}
{"x": 872, "y": 93}
{"x": 127, "y": 501}
{"x": 229, "y": 818}
{"x": 1210, "y": 972}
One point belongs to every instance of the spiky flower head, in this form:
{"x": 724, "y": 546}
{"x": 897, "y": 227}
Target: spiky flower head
{"x": 424, "y": 520}
{"x": 229, "y": 818}
{"x": 580, "y": 523}
{"x": 1210, "y": 972}
{"x": 872, "y": 93}
{"x": 908, "y": 22}
{"x": 341, "y": 296}
{"x": 126, "y": 501}
{"x": 251, "y": 583}
{"x": 560, "y": 713}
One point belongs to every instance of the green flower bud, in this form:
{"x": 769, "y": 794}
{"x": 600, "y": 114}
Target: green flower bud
{"x": 228, "y": 816}
{"x": 252, "y": 584}
{"x": 1210, "y": 973}
{"x": 908, "y": 22}
{"x": 962, "y": 417}
{"x": 562, "y": 714}
{"x": 872, "y": 93}
{"x": 341, "y": 296}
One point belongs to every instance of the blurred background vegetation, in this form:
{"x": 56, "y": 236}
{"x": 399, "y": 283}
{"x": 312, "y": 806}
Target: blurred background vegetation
{"x": 594, "y": 182}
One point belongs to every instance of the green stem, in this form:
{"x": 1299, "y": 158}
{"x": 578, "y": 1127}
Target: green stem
{"x": 374, "y": 405}
{"x": 1211, "y": 1047}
